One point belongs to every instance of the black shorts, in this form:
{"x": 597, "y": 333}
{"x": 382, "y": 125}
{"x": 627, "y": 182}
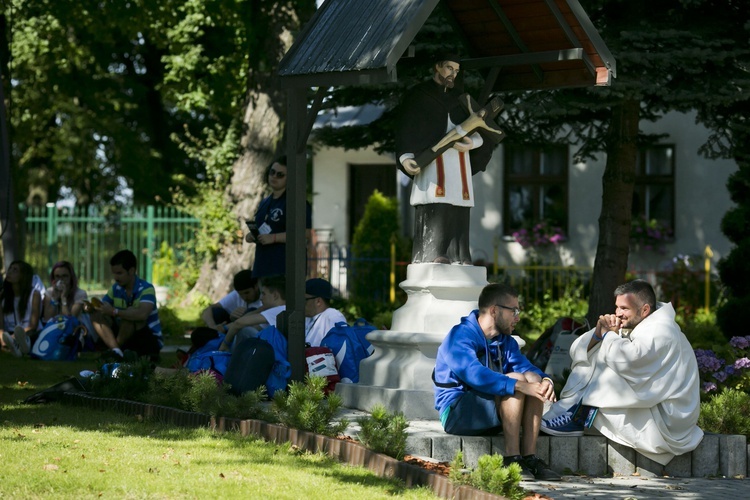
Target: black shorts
{"x": 144, "y": 343}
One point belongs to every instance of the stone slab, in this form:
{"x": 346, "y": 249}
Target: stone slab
{"x": 680, "y": 466}
{"x": 733, "y": 455}
{"x": 592, "y": 455}
{"x": 445, "y": 447}
{"x": 706, "y": 460}
{"x": 645, "y": 467}
{"x": 620, "y": 459}
{"x": 474, "y": 447}
{"x": 563, "y": 454}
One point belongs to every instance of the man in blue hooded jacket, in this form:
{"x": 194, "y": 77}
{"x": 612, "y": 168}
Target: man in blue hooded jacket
{"x": 483, "y": 383}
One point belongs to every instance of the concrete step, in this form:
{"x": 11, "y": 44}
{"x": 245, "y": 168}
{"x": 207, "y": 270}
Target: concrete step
{"x": 717, "y": 455}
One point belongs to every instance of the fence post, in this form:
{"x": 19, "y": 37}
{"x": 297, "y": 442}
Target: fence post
{"x": 150, "y": 244}
{"x": 51, "y": 235}
{"x": 708, "y": 254}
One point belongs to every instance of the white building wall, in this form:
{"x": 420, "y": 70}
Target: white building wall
{"x": 700, "y": 189}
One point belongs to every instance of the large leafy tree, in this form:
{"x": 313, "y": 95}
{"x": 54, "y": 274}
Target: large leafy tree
{"x": 172, "y": 98}
{"x": 674, "y": 55}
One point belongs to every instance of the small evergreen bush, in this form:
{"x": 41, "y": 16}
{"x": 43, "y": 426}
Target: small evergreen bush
{"x": 305, "y": 407}
{"x": 384, "y": 432}
{"x": 490, "y": 475}
{"x": 726, "y": 413}
{"x": 128, "y": 380}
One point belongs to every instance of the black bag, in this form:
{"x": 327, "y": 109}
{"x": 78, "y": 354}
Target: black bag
{"x": 54, "y": 393}
{"x": 249, "y": 366}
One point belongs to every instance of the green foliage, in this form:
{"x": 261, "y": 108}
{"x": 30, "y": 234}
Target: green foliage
{"x": 305, "y": 407}
{"x": 538, "y": 316}
{"x": 171, "y": 324}
{"x": 384, "y": 432}
{"x": 168, "y": 389}
{"x": 129, "y": 381}
{"x": 731, "y": 316}
{"x": 490, "y": 475}
{"x": 684, "y": 284}
{"x": 371, "y": 247}
{"x": 700, "y": 328}
{"x": 726, "y": 413}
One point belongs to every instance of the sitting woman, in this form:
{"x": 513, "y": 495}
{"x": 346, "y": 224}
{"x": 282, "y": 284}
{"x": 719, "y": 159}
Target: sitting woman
{"x": 63, "y": 297}
{"x": 22, "y": 306}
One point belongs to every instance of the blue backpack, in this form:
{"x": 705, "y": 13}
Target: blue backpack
{"x": 349, "y": 346}
{"x": 60, "y": 340}
{"x": 281, "y": 371}
{"x": 209, "y": 358}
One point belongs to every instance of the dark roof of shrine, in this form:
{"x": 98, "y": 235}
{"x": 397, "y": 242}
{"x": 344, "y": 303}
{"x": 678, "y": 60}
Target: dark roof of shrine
{"x": 535, "y": 44}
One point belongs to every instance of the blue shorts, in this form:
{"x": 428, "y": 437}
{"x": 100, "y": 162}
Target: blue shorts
{"x": 472, "y": 414}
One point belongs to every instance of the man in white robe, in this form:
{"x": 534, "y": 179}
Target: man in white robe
{"x": 634, "y": 379}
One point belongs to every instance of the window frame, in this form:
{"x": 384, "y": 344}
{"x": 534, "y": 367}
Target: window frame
{"x": 537, "y": 181}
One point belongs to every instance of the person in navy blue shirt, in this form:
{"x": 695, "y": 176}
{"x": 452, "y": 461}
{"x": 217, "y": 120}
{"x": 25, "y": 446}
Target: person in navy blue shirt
{"x": 268, "y": 227}
{"x": 484, "y": 384}
{"x": 127, "y": 318}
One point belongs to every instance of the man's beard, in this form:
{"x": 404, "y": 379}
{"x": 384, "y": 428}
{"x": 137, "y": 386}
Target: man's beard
{"x": 445, "y": 82}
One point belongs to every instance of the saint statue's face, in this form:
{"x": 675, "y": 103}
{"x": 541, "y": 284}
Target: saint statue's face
{"x": 446, "y": 73}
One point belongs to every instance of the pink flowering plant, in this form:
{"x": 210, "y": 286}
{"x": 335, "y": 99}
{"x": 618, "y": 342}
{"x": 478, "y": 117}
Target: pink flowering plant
{"x": 728, "y": 370}
{"x": 541, "y": 235}
{"x": 650, "y": 234}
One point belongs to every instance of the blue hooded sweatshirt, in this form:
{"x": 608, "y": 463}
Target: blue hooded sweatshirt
{"x": 465, "y": 359}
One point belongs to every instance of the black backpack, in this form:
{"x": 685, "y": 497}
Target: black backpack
{"x": 249, "y": 366}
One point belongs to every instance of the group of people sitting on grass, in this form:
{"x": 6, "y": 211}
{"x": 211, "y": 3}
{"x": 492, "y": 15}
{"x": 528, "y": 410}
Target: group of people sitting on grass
{"x": 126, "y": 318}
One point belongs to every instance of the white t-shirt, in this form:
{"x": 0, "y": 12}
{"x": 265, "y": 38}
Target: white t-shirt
{"x": 270, "y": 314}
{"x": 232, "y": 301}
{"x": 317, "y": 326}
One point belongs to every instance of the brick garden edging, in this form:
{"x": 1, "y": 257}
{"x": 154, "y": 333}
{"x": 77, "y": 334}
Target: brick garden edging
{"x": 345, "y": 451}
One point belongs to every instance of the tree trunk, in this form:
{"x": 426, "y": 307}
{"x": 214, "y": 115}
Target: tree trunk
{"x": 617, "y": 199}
{"x": 247, "y": 188}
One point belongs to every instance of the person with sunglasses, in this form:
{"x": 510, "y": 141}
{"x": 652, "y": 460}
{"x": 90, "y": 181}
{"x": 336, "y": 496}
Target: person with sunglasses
{"x": 268, "y": 227}
{"x": 484, "y": 384}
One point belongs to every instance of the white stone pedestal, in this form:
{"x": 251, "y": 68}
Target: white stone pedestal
{"x": 399, "y": 373}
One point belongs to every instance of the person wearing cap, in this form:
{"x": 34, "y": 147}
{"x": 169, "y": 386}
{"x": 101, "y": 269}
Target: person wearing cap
{"x": 245, "y": 298}
{"x": 320, "y": 317}
{"x": 442, "y": 191}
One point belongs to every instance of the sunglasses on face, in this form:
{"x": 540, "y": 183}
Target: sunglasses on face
{"x": 276, "y": 173}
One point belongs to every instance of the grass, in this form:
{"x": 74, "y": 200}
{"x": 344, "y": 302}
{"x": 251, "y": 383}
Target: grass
{"x": 63, "y": 452}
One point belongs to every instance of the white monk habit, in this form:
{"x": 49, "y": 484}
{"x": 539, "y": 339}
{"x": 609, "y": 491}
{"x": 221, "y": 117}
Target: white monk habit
{"x": 645, "y": 385}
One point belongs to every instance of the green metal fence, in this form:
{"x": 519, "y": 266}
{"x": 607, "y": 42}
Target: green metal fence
{"x": 87, "y": 238}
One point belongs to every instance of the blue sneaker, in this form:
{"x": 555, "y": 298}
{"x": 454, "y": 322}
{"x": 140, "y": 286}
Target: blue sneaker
{"x": 563, "y": 425}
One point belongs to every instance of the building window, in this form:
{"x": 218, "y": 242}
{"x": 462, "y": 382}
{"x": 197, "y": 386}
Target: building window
{"x": 535, "y": 187}
{"x": 653, "y": 197}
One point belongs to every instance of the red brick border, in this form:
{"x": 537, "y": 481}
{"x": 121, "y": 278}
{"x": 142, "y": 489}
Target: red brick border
{"x": 345, "y": 451}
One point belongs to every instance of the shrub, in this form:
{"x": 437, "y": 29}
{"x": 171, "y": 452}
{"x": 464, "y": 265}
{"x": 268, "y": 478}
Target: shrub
{"x": 171, "y": 324}
{"x": 490, "y": 475}
{"x": 700, "y": 328}
{"x": 128, "y": 380}
{"x": 384, "y": 432}
{"x": 305, "y": 407}
{"x": 538, "y": 316}
{"x": 725, "y": 366}
{"x": 726, "y": 413}
{"x": 371, "y": 247}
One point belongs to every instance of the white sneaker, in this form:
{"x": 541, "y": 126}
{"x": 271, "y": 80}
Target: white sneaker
{"x": 24, "y": 344}
{"x": 12, "y": 345}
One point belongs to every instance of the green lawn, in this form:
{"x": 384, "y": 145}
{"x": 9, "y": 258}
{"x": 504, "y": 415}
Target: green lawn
{"x": 58, "y": 451}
